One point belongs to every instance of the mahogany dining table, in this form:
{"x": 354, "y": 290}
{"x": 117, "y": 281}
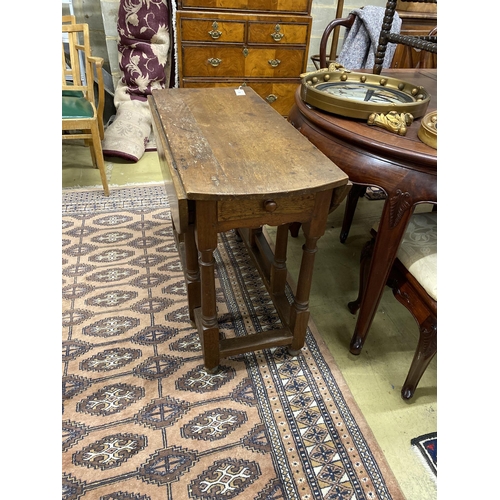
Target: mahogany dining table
{"x": 404, "y": 167}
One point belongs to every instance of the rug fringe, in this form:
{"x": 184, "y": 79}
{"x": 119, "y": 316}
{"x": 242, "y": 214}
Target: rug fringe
{"x": 425, "y": 463}
{"x": 97, "y": 187}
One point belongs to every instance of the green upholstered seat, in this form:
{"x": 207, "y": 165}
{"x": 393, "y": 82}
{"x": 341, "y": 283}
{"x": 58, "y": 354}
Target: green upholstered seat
{"x": 72, "y": 93}
{"x": 76, "y": 107}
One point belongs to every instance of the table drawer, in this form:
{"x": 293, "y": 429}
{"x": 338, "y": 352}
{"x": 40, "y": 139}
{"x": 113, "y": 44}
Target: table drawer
{"x": 258, "y": 5}
{"x": 273, "y": 210}
{"x": 218, "y": 61}
{"x": 212, "y": 30}
{"x": 282, "y": 33}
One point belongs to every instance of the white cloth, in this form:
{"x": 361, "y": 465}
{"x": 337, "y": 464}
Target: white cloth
{"x": 361, "y": 40}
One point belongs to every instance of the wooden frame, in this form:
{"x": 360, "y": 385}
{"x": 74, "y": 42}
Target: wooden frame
{"x": 82, "y": 108}
{"x": 421, "y": 305}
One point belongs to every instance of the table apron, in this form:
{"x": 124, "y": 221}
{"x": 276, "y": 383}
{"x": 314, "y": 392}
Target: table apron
{"x": 340, "y": 147}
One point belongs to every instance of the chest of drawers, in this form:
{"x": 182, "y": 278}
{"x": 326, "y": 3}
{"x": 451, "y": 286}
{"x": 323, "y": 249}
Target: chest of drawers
{"x": 258, "y": 43}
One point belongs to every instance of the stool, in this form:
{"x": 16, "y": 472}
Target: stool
{"x": 413, "y": 280}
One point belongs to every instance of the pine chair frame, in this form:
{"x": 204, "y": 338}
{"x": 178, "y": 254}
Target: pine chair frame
{"x": 78, "y": 83}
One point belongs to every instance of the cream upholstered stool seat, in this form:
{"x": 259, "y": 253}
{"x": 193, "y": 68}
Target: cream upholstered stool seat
{"x": 418, "y": 251}
{"x": 413, "y": 280}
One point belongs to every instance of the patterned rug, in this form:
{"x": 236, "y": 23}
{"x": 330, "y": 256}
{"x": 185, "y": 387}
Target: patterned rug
{"x": 143, "y": 420}
{"x": 427, "y": 448}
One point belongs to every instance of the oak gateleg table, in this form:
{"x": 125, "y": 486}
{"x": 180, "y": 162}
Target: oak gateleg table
{"x": 231, "y": 162}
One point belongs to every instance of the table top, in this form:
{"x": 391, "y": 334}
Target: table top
{"x": 387, "y": 145}
{"x": 226, "y": 145}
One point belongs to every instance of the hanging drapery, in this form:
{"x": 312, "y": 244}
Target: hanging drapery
{"x": 147, "y": 62}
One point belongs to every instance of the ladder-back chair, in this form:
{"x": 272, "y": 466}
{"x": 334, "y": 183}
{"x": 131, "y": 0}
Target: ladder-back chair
{"x": 427, "y": 43}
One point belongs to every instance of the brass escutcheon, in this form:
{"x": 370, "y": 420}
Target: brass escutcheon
{"x": 277, "y": 35}
{"x": 274, "y": 62}
{"x": 215, "y": 33}
{"x": 245, "y": 52}
{"x": 214, "y": 61}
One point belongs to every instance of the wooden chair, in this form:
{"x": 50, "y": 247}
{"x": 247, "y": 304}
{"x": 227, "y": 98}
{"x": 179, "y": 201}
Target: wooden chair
{"x": 82, "y": 113}
{"x": 333, "y": 26}
{"x": 425, "y": 43}
{"x": 413, "y": 280}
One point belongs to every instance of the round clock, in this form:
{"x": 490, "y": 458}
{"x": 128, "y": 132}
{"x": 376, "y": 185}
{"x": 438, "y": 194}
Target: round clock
{"x": 358, "y": 95}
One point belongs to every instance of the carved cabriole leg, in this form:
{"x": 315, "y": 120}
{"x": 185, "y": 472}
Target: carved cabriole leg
{"x": 206, "y": 235}
{"x": 396, "y": 214}
{"x": 426, "y": 350}
{"x": 313, "y": 230}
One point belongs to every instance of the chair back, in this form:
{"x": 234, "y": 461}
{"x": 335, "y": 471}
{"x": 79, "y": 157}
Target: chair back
{"x": 336, "y": 24}
{"x": 77, "y": 70}
{"x": 426, "y": 43}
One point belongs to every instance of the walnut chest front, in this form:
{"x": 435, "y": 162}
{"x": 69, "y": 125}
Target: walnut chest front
{"x": 262, "y": 44}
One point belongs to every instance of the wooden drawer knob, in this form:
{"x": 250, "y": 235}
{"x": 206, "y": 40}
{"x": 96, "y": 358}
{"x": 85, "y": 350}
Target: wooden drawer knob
{"x": 270, "y": 205}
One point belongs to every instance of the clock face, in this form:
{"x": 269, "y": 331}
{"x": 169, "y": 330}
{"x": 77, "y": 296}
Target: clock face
{"x": 365, "y": 92}
{"x": 358, "y": 95}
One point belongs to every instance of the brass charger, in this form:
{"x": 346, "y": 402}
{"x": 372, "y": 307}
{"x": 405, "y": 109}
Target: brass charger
{"x": 352, "y": 94}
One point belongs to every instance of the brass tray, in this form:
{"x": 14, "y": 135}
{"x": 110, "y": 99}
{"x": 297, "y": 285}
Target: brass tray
{"x": 358, "y": 95}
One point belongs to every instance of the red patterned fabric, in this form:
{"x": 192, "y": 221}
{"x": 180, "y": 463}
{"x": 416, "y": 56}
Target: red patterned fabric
{"x": 143, "y": 29}
{"x": 146, "y": 61}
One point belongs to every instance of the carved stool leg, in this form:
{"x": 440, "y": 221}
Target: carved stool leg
{"x": 426, "y": 350}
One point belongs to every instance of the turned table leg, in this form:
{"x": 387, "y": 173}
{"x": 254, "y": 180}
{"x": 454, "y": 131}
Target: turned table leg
{"x": 192, "y": 272}
{"x": 207, "y": 323}
{"x": 313, "y": 230}
{"x": 278, "y": 267}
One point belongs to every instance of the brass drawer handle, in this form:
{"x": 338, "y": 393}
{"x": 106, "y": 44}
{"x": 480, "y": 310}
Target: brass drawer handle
{"x": 270, "y": 205}
{"x": 214, "y": 61}
{"x": 274, "y": 62}
{"x": 277, "y": 35}
{"x": 215, "y": 33}
{"x": 271, "y": 98}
